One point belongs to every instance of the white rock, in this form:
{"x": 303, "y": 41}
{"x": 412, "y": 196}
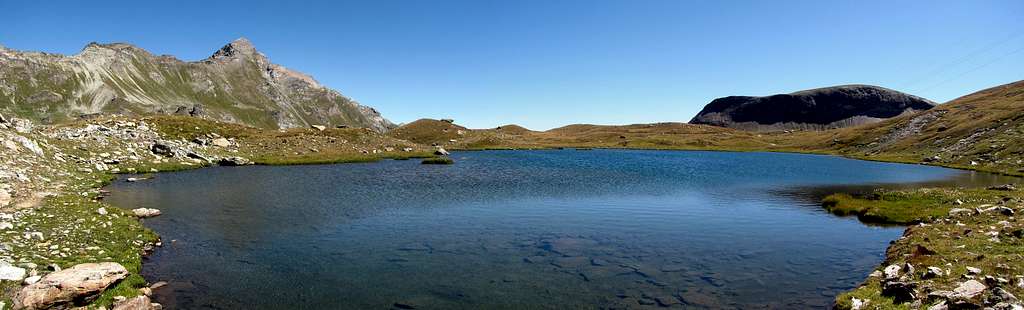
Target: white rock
{"x": 31, "y": 280}
{"x": 319, "y": 127}
{"x": 102, "y": 211}
{"x": 973, "y": 270}
{"x": 892, "y": 272}
{"x": 858, "y": 304}
{"x": 11, "y": 273}
{"x": 220, "y": 142}
{"x": 939, "y": 306}
{"x": 145, "y": 212}
{"x": 969, "y": 289}
{"x": 6, "y": 225}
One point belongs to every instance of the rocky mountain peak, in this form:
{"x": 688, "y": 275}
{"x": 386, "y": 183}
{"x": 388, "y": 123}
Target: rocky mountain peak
{"x": 239, "y": 48}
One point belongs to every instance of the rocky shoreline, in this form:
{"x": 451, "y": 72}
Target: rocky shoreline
{"x": 62, "y": 247}
{"x": 55, "y": 229}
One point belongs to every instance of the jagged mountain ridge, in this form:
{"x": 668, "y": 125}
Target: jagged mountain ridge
{"x": 816, "y": 109}
{"x": 236, "y": 84}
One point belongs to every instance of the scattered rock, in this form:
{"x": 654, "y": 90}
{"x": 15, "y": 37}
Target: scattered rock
{"x": 162, "y": 148}
{"x": 858, "y": 304}
{"x": 137, "y": 303}
{"x": 145, "y": 212}
{"x": 1004, "y": 187}
{"x": 31, "y": 280}
{"x": 319, "y": 127}
{"x": 899, "y": 291}
{"x": 101, "y": 211}
{"x": 76, "y": 286}
{"x": 969, "y": 289}
{"x": 667, "y": 301}
{"x": 939, "y": 306}
{"x": 973, "y": 270}
{"x": 11, "y": 273}
{"x": 892, "y": 272}
{"x": 932, "y": 272}
{"x": 1000, "y": 295}
{"x": 234, "y": 161}
{"x": 220, "y": 142}
{"x": 960, "y": 211}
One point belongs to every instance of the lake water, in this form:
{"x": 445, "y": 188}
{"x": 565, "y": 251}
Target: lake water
{"x": 519, "y": 229}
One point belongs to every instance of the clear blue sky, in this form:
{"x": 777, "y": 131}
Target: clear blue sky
{"x": 544, "y": 63}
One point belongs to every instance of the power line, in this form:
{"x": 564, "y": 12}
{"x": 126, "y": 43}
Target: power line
{"x": 956, "y": 62}
{"x": 974, "y": 69}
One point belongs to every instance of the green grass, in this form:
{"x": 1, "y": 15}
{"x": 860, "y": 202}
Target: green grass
{"x": 891, "y": 207}
{"x": 948, "y": 243}
{"x": 438, "y": 161}
{"x": 72, "y": 223}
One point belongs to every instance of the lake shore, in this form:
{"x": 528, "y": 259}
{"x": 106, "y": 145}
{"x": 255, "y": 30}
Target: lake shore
{"x": 57, "y": 218}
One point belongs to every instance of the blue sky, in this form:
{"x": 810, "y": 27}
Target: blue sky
{"x": 544, "y": 64}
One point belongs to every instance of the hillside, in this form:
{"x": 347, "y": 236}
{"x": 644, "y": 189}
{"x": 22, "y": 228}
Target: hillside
{"x": 815, "y": 109}
{"x": 977, "y": 131}
{"x": 646, "y": 136}
{"x": 236, "y": 84}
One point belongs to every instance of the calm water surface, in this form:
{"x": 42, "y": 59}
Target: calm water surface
{"x": 519, "y": 229}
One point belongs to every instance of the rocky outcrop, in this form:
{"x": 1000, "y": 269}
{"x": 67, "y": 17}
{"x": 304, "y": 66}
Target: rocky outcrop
{"x": 815, "y": 109}
{"x": 76, "y": 286}
{"x": 236, "y": 84}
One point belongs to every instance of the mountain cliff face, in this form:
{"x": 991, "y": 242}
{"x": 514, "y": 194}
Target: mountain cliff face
{"x": 236, "y": 84}
{"x": 822, "y": 108}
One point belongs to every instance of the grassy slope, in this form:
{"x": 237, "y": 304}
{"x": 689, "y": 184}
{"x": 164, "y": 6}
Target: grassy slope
{"x": 988, "y": 240}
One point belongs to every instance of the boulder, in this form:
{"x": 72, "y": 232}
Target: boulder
{"x": 892, "y": 272}
{"x": 441, "y": 151}
{"x": 968, "y": 290}
{"x": 145, "y": 212}
{"x": 75, "y": 286}
{"x": 932, "y": 272}
{"x": 858, "y": 304}
{"x": 137, "y": 303}
{"x": 162, "y": 148}
{"x": 899, "y": 291}
{"x": 1004, "y": 187}
{"x": 960, "y": 211}
{"x": 220, "y": 142}
{"x": 319, "y": 127}
{"x": 11, "y": 273}
{"x": 234, "y": 161}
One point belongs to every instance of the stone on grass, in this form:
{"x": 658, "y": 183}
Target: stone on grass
{"x": 973, "y": 270}
{"x": 145, "y": 212}
{"x": 969, "y": 289}
{"x": 137, "y": 303}
{"x": 75, "y": 286}
{"x": 11, "y": 273}
{"x": 892, "y": 272}
{"x": 932, "y": 272}
{"x": 220, "y": 142}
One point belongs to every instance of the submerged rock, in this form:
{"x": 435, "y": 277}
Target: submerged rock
{"x": 77, "y": 286}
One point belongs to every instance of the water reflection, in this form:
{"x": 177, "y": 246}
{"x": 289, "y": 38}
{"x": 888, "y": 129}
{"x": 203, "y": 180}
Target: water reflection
{"x": 524, "y": 229}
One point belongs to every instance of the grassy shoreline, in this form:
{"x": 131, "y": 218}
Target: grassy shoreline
{"x": 298, "y": 147}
